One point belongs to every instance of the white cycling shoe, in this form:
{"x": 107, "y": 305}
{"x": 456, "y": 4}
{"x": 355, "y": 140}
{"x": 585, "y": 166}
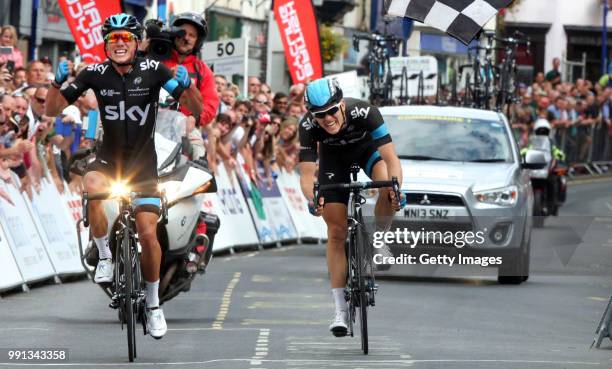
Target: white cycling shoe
{"x": 156, "y": 323}
{"x": 104, "y": 271}
{"x": 339, "y": 325}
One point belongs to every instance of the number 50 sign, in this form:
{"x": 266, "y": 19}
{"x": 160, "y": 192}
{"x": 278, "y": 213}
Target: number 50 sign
{"x": 227, "y": 57}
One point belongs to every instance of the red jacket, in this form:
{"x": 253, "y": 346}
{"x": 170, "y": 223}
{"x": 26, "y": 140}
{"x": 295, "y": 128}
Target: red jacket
{"x": 206, "y": 85}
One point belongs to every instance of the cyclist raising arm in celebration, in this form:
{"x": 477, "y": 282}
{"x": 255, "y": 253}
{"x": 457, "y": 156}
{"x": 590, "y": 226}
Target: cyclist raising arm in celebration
{"x": 348, "y": 131}
{"x": 127, "y": 89}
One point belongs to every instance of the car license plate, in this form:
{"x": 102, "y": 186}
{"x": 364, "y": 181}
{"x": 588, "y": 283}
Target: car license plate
{"x": 427, "y": 213}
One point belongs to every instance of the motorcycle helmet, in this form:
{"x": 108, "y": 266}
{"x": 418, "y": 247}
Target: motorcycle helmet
{"x": 198, "y": 22}
{"x": 322, "y": 94}
{"x": 541, "y": 127}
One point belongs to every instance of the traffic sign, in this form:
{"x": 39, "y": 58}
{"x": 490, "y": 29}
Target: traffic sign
{"x": 227, "y": 57}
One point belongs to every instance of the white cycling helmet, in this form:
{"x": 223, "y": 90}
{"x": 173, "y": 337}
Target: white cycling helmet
{"x": 541, "y": 127}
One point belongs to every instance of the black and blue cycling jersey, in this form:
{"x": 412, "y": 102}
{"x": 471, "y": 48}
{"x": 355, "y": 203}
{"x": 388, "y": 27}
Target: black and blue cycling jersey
{"x": 128, "y": 109}
{"x": 358, "y": 141}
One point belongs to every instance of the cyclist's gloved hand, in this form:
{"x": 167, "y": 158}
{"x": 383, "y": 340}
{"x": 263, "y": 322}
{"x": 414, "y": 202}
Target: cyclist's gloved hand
{"x": 316, "y": 210}
{"x": 62, "y": 72}
{"x": 182, "y": 77}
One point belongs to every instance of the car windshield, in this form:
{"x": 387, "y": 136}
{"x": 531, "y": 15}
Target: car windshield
{"x": 449, "y": 139}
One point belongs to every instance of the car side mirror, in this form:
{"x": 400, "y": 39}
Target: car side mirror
{"x": 534, "y": 159}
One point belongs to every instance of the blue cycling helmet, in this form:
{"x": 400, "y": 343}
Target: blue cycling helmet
{"x": 322, "y": 94}
{"x": 122, "y": 21}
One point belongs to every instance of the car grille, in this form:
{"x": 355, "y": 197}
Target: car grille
{"x": 415, "y": 198}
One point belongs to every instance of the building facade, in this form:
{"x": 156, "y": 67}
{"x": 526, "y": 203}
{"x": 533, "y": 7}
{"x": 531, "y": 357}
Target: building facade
{"x": 566, "y": 29}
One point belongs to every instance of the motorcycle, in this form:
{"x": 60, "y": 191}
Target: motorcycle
{"x": 549, "y": 183}
{"x": 187, "y": 233}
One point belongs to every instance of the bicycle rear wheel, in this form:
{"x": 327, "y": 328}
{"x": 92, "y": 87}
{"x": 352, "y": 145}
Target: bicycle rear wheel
{"x": 126, "y": 245}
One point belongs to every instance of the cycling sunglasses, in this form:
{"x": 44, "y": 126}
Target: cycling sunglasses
{"x": 331, "y": 111}
{"x": 115, "y": 37}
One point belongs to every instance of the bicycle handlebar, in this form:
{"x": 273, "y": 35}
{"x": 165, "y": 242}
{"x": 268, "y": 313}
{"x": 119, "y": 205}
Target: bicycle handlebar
{"x": 357, "y": 187}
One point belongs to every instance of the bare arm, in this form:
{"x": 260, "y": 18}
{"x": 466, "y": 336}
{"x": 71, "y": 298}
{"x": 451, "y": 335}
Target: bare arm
{"x": 55, "y": 103}
{"x": 192, "y": 99}
{"x": 394, "y": 167}
{"x": 307, "y": 178}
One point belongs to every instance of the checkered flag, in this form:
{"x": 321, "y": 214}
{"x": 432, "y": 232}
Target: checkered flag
{"x": 462, "y": 19}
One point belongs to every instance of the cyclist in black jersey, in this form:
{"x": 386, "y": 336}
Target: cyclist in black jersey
{"x": 127, "y": 89}
{"x": 341, "y": 132}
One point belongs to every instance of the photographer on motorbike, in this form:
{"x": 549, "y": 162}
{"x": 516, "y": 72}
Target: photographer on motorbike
{"x": 127, "y": 89}
{"x": 183, "y": 51}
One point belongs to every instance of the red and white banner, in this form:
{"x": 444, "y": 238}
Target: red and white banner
{"x": 300, "y": 35}
{"x": 85, "y": 19}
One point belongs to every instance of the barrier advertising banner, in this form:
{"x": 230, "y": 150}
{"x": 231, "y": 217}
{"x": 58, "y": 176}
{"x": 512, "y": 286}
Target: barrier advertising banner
{"x": 276, "y": 210}
{"x": 228, "y": 203}
{"x": 26, "y": 245}
{"x": 9, "y": 275}
{"x": 55, "y": 229}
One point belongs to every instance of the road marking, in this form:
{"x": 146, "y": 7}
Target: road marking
{"x": 595, "y": 298}
{"x": 24, "y": 329}
{"x": 225, "y": 302}
{"x": 261, "y": 347}
{"x": 609, "y": 205}
{"x": 213, "y": 329}
{"x": 290, "y": 305}
{"x": 319, "y": 361}
{"x": 270, "y": 295}
{"x": 282, "y": 322}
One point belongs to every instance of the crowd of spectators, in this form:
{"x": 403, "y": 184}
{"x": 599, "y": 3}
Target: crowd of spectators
{"x": 579, "y": 113}
{"x": 257, "y": 132}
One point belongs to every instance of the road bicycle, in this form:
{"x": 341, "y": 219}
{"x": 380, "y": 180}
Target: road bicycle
{"x": 128, "y": 294}
{"x": 360, "y": 285}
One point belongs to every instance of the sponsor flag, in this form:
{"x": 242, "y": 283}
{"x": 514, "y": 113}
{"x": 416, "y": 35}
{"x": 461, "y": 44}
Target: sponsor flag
{"x": 85, "y": 19}
{"x": 462, "y": 19}
{"x": 300, "y": 35}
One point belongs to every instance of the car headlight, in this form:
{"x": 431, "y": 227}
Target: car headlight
{"x": 505, "y": 196}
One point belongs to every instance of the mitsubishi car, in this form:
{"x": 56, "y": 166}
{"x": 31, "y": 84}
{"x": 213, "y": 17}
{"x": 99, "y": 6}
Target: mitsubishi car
{"x": 463, "y": 175}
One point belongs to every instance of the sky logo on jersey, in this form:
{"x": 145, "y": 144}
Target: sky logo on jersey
{"x": 134, "y": 113}
{"x": 149, "y": 64}
{"x": 307, "y": 124}
{"x": 100, "y": 68}
{"x": 360, "y": 112}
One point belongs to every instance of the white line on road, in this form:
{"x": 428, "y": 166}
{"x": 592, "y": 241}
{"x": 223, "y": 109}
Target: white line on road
{"x": 225, "y": 302}
{"x": 329, "y": 361}
{"x": 261, "y": 347}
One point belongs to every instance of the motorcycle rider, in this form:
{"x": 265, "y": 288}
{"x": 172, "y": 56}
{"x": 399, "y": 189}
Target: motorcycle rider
{"x": 556, "y": 185}
{"x": 127, "y": 90}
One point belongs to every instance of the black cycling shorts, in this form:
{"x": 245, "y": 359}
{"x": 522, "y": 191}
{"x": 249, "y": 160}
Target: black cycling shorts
{"x": 142, "y": 179}
{"x": 335, "y": 167}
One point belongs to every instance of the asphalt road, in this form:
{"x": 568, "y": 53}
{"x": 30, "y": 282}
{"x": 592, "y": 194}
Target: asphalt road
{"x": 271, "y": 309}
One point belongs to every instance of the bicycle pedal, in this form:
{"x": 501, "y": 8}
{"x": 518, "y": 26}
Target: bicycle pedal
{"x": 114, "y": 304}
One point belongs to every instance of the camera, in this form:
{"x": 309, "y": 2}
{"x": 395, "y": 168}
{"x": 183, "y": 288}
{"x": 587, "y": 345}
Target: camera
{"x": 161, "y": 39}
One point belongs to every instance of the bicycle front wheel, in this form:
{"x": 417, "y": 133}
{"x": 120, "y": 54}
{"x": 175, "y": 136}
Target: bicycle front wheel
{"x": 126, "y": 245}
{"x": 362, "y": 262}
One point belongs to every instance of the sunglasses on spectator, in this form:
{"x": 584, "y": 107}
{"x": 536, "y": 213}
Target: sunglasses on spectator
{"x": 124, "y": 37}
{"x": 331, "y": 111}
{"x": 262, "y": 101}
{"x": 40, "y": 100}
